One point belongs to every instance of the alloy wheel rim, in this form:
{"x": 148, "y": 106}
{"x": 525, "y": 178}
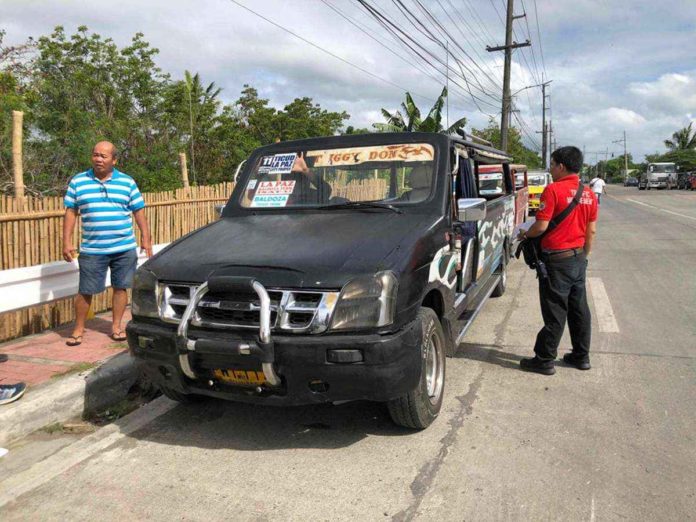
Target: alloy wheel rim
{"x": 434, "y": 369}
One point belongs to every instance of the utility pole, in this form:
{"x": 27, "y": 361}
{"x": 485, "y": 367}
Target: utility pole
{"x": 544, "y": 143}
{"x": 508, "y": 47}
{"x": 625, "y": 154}
{"x": 447, "y": 70}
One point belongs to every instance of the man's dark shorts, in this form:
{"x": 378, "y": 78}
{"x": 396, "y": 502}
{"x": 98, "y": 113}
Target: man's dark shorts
{"x": 93, "y": 271}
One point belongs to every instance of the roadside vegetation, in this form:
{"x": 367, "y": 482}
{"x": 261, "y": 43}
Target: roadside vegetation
{"x": 77, "y": 89}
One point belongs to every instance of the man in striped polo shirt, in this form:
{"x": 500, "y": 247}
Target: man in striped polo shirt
{"x": 105, "y": 198}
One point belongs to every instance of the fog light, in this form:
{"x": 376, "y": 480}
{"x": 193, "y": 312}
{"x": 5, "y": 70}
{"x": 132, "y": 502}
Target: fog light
{"x": 344, "y": 356}
{"x": 144, "y": 342}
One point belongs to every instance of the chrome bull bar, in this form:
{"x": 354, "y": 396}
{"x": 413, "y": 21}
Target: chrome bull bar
{"x": 263, "y": 348}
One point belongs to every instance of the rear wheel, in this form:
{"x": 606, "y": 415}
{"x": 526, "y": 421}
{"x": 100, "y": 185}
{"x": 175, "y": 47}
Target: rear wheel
{"x": 419, "y": 408}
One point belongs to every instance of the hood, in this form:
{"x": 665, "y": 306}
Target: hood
{"x": 298, "y": 250}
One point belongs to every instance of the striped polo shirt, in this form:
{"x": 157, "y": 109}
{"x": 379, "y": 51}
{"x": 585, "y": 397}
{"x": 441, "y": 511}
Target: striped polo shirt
{"x": 105, "y": 207}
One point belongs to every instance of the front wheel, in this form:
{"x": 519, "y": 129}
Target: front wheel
{"x": 419, "y": 408}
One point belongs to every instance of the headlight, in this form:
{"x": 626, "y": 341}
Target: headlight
{"x": 366, "y": 302}
{"x": 145, "y": 294}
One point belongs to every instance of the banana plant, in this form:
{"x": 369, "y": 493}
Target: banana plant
{"x": 411, "y": 121}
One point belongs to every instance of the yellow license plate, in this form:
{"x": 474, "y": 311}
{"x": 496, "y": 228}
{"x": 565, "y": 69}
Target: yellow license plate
{"x": 241, "y": 377}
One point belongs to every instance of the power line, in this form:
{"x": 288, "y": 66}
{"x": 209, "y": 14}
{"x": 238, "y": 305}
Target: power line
{"x": 360, "y": 28}
{"x": 420, "y": 50}
{"x": 316, "y": 46}
{"x": 541, "y": 50}
{"x": 447, "y": 35}
{"x": 529, "y": 34}
{"x": 415, "y": 20}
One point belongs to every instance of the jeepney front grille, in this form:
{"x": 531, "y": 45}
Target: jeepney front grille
{"x": 291, "y": 310}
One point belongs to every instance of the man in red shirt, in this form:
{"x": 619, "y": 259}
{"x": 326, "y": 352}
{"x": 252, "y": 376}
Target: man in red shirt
{"x": 565, "y": 253}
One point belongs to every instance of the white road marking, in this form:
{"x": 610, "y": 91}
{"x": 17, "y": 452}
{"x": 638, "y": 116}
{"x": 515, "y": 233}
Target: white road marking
{"x": 661, "y": 209}
{"x": 592, "y": 510}
{"x": 56, "y": 464}
{"x": 603, "y": 310}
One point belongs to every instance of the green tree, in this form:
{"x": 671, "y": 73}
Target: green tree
{"x": 519, "y": 153}
{"x": 412, "y": 121}
{"x": 683, "y": 139}
{"x": 81, "y": 88}
{"x": 304, "y": 119}
{"x": 685, "y": 159}
{"x": 91, "y": 90}
{"x": 16, "y": 94}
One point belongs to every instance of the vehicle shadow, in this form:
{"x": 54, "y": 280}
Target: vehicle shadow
{"x": 218, "y": 424}
{"x": 488, "y": 353}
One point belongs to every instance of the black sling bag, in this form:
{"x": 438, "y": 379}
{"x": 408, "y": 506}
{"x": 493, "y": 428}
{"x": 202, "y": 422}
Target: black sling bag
{"x": 530, "y": 247}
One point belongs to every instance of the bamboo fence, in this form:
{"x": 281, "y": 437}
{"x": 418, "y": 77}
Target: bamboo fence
{"x": 31, "y": 234}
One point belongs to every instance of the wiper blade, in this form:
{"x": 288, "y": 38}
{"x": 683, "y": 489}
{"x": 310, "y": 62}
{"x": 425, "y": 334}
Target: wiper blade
{"x": 363, "y": 205}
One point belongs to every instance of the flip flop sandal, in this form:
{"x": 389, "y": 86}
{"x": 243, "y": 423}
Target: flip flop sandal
{"x": 74, "y": 340}
{"x": 118, "y": 336}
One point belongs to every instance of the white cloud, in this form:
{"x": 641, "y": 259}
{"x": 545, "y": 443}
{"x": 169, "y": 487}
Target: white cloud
{"x": 670, "y": 93}
{"x": 615, "y": 66}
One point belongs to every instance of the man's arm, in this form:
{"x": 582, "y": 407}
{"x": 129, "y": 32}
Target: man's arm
{"x": 68, "y": 229}
{"x": 589, "y": 237}
{"x": 145, "y": 239}
{"x": 537, "y": 228}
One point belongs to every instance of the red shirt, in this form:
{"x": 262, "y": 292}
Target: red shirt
{"x": 570, "y": 233}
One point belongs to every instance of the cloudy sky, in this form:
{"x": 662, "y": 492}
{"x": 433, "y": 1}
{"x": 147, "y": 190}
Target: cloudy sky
{"x": 615, "y": 66}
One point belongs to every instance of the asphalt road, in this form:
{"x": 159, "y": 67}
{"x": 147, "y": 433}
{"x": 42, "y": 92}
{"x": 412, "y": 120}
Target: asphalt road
{"x": 613, "y": 443}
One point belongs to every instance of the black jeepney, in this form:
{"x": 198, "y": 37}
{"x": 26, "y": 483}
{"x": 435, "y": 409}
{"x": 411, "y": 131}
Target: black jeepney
{"x": 342, "y": 268}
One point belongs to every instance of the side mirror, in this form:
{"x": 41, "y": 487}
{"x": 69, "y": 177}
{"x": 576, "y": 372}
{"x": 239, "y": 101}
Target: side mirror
{"x": 471, "y": 209}
{"x": 219, "y": 209}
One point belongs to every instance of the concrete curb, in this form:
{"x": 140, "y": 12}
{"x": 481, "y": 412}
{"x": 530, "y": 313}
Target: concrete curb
{"x": 69, "y": 396}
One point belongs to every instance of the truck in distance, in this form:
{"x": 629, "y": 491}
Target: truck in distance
{"x": 342, "y": 268}
{"x": 661, "y": 175}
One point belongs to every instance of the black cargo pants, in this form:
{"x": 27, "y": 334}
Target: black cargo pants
{"x": 562, "y": 295}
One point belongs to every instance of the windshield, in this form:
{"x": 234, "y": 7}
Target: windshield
{"x": 536, "y": 180}
{"x": 662, "y": 168}
{"x": 490, "y": 184}
{"x": 393, "y": 174}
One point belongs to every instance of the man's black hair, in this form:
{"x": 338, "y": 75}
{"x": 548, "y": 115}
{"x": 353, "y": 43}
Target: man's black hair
{"x": 570, "y": 156}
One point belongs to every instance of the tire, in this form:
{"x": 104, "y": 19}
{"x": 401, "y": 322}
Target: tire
{"x": 500, "y": 288}
{"x": 180, "y": 397}
{"x": 419, "y": 408}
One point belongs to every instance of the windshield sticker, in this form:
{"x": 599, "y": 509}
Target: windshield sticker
{"x": 402, "y": 152}
{"x": 251, "y": 185}
{"x": 277, "y": 164}
{"x": 273, "y": 194}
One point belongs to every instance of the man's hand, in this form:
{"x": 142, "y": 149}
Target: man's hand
{"x": 146, "y": 246}
{"x": 522, "y": 234}
{"x": 69, "y": 252}
{"x": 300, "y": 165}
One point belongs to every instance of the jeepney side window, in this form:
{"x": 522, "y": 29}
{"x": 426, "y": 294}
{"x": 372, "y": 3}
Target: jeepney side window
{"x": 491, "y": 183}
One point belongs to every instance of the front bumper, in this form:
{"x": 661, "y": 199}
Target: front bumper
{"x": 390, "y": 367}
